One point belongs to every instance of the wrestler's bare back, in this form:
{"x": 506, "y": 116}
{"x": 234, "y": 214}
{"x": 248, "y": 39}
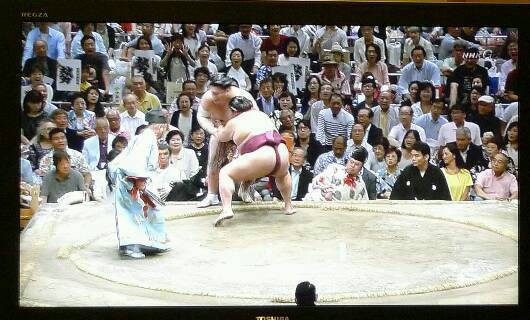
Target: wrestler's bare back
{"x": 249, "y": 124}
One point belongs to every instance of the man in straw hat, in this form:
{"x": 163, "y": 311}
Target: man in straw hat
{"x": 332, "y": 75}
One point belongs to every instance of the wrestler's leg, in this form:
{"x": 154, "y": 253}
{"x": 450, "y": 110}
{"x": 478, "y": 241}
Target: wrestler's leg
{"x": 283, "y": 179}
{"x": 212, "y": 175}
{"x": 244, "y": 168}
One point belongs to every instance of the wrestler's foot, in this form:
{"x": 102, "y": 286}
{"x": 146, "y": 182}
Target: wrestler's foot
{"x": 225, "y": 215}
{"x": 210, "y": 200}
{"x": 289, "y": 210}
{"x": 244, "y": 192}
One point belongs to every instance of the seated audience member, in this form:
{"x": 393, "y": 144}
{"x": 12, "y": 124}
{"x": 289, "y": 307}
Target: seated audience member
{"x": 472, "y": 107}
{"x": 87, "y": 29}
{"x": 305, "y": 294}
{"x": 471, "y": 153}
{"x": 388, "y": 175}
{"x": 146, "y": 100}
{"x": 96, "y": 148}
{"x": 119, "y": 143}
{"x": 93, "y": 101}
{"x": 266, "y": 101}
{"x": 275, "y": 41}
{"x": 177, "y": 59}
{"x": 132, "y": 118}
{"x": 189, "y": 87}
{"x": 291, "y": 49}
{"x": 307, "y": 141}
{"x": 332, "y": 75}
{"x": 265, "y": 70}
{"x": 61, "y": 180}
{"x": 421, "y": 180}
{"x": 459, "y": 85}
{"x": 379, "y": 149}
{"x": 509, "y": 65}
{"x": 419, "y": 69}
{"x": 48, "y": 65}
{"x": 365, "y": 117}
{"x": 48, "y": 106}
{"x": 182, "y": 159}
{"x": 32, "y": 114}
{"x": 79, "y": 118}
{"x": 374, "y": 65}
{"x": 485, "y": 117}
{"x": 458, "y": 178}
{"x": 250, "y": 44}
{"x": 511, "y": 91}
{"x": 279, "y": 83}
{"x": 427, "y": 94}
{"x": 97, "y": 60}
{"x": 185, "y": 117}
{"x": 40, "y": 144}
{"x": 311, "y": 94}
{"x": 202, "y": 77}
{"x": 325, "y": 102}
{"x": 415, "y": 39}
{"x": 361, "y": 45}
{"x": 356, "y": 141}
{"x": 300, "y": 176}
{"x": 413, "y": 96}
{"x": 287, "y": 122}
{"x": 457, "y": 59}
{"x": 113, "y": 116}
{"x": 236, "y": 70}
{"x": 336, "y": 155}
{"x": 287, "y": 101}
{"x": 397, "y": 133}
{"x": 147, "y": 32}
{"x": 411, "y": 137}
{"x": 36, "y": 77}
{"x": 203, "y": 56}
{"x": 341, "y": 182}
{"x": 447, "y": 131}
{"x": 304, "y": 42}
{"x": 55, "y": 42}
{"x": 385, "y": 115}
{"x": 511, "y": 114}
{"x": 74, "y": 139}
{"x": 432, "y": 122}
{"x": 511, "y": 143}
{"x": 338, "y": 55}
{"x": 77, "y": 160}
{"x": 368, "y": 89}
{"x": 333, "y": 121}
{"x": 198, "y": 145}
{"x": 496, "y": 183}
{"x": 164, "y": 178}
{"x": 325, "y": 36}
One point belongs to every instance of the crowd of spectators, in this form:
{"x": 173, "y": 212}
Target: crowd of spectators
{"x": 386, "y": 112}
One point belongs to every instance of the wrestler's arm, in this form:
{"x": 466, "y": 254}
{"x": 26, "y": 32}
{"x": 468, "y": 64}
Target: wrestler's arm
{"x": 225, "y": 132}
{"x": 203, "y": 117}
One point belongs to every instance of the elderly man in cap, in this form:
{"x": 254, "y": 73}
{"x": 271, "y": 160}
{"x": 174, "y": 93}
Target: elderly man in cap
{"x": 461, "y": 81}
{"x": 415, "y": 39}
{"x": 140, "y": 225}
{"x": 342, "y": 56}
{"x": 341, "y": 182}
{"x": 485, "y": 117}
{"x": 331, "y": 74}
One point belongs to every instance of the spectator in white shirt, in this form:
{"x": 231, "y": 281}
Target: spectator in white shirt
{"x": 448, "y": 131}
{"x": 132, "y": 118}
{"x": 359, "y": 48}
{"x": 397, "y": 133}
{"x": 250, "y": 44}
{"x": 303, "y": 39}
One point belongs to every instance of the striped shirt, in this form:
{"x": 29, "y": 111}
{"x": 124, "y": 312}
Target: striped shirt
{"x": 330, "y": 127}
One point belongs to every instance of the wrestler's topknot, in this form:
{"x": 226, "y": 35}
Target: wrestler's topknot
{"x": 222, "y": 81}
{"x": 240, "y": 104}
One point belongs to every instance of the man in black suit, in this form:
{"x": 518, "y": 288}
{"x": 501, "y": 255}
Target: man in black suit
{"x": 471, "y": 153}
{"x": 300, "y": 176}
{"x": 266, "y": 101}
{"x": 364, "y": 117}
{"x": 47, "y": 65}
{"x": 369, "y": 178}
